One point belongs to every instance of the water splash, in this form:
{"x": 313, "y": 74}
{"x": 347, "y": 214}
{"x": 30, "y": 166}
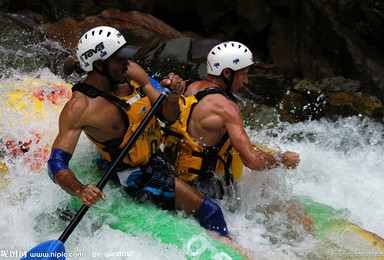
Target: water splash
{"x": 341, "y": 167}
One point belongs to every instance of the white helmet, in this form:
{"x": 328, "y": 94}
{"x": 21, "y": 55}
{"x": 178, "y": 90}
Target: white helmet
{"x": 99, "y": 44}
{"x": 230, "y": 54}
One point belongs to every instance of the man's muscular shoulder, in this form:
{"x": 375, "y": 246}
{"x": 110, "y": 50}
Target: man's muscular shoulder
{"x": 217, "y": 102}
{"x": 76, "y": 109}
{"x": 221, "y": 106}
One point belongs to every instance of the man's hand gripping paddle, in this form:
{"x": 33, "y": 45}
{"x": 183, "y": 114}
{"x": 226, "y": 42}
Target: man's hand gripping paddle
{"x": 54, "y": 249}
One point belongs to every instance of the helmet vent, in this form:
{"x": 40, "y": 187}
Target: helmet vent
{"x": 93, "y": 33}
{"x": 86, "y": 36}
{"x": 100, "y": 32}
{"x": 231, "y": 54}
{"x": 109, "y": 33}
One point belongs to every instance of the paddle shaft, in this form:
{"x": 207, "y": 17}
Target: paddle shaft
{"x": 76, "y": 219}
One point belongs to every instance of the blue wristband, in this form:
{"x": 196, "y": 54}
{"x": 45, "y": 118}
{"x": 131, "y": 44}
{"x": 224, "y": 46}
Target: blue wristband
{"x": 58, "y": 160}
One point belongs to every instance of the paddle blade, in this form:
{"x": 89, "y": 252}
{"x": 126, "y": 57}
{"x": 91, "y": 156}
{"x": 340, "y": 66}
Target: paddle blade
{"x": 52, "y": 249}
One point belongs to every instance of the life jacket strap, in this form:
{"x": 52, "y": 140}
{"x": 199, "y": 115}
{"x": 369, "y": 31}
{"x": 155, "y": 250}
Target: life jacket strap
{"x": 93, "y": 92}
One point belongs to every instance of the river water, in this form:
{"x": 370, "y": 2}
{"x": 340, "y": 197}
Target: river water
{"x": 341, "y": 166}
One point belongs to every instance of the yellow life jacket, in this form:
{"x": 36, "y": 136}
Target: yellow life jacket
{"x": 149, "y": 141}
{"x": 189, "y": 158}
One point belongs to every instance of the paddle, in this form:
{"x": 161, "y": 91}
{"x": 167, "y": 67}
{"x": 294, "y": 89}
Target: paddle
{"x": 54, "y": 249}
{"x": 262, "y": 147}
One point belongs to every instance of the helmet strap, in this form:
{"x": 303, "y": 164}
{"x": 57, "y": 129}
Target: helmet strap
{"x": 229, "y": 82}
{"x": 105, "y": 72}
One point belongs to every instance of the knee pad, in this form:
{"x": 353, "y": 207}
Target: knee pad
{"x": 211, "y": 217}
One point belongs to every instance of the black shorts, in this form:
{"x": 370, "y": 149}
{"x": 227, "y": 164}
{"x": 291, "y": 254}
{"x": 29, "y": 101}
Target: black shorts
{"x": 153, "y": 182}
{"x": 211, "y": 186}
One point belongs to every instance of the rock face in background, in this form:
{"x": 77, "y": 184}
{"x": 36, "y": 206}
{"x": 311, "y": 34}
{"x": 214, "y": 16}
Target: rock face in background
{"x": 162, "y": 48}
{"x": 303, "y": 38}
{"x": 324, "y": 56}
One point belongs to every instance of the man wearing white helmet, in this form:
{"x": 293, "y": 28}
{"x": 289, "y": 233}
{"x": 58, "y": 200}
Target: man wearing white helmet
{"x": 109, "y": 123}
{"x": 210, "y": 124}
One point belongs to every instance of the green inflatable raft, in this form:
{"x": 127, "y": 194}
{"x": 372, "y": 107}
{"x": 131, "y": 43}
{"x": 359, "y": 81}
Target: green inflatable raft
{"x": 122, "y": 213}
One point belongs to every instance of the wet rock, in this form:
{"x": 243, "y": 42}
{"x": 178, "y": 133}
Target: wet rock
{"x": 173, "y": 57}
{"x": 291, "y": 108}
{"x": 279, "y": 43}
{"x": 141, "y": 22}
{"x": 338, "y": 84}
{"x": 308, "y": 100}
{"x": 308, "y": 87}
{"x": 257, "y": 116}
{"x": 161, "y": 46}
{"x": 313, "y": 99}
{"x": 267, "y": 87}
{"x": 29, "y": 21}
{"x": 211, "y": 16}
{"x": 199, "y": 51}
{"x": 349, "y": 103}
{"x": 253, "y": 16}
{"x": 66, "y": 31}
{"x": 147, "y": 41}
{"x": 201, "y": 48}
{"x": 176, "y": 49}
{"x": 378, "y": 114}
{"x": 305, "y": 39}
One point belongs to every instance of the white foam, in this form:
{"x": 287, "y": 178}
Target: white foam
{"x": 340, "y": 166}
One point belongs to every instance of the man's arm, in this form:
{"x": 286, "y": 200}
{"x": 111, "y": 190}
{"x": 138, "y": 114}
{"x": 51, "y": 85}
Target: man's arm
{"x": 253, "y": 159}
{"x": 171, "y": 108}
{"x": 70, "y": 127}
{"x": 138, "y": 74}
{"x": 176, "y": 85}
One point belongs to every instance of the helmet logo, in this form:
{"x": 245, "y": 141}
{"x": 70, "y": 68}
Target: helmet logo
{"x": 216, "y": 64}
{"x": 236, "y": 61}
{"x": 103, "y": 53}
{"x": 89, "y": 53}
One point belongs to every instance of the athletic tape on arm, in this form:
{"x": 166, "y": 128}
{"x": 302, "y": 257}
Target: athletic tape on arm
{"x": 58, "y": 160}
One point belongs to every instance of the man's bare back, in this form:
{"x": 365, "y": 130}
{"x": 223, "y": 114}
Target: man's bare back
{"x": 207, "y": 122}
